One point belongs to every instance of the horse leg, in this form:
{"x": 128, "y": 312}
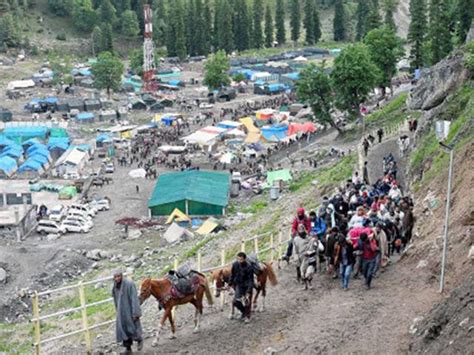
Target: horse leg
{"x": 160, "y": 327}
{"x": 256, "y": 298}
{"x": 264, "y": 294}
{"x": 231, "y": 314}
{"x": 173, "y": 327}
{"x": 197, "y": 314}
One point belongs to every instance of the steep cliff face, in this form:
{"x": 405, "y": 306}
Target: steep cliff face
{"x": 437, "y": 82}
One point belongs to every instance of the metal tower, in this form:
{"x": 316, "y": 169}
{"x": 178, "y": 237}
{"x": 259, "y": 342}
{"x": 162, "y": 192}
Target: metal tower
{"x": 148, "y": 52}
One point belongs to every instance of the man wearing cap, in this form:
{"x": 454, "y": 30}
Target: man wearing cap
{"x": 301, "y": 218}
{"x": 127, "y": 306}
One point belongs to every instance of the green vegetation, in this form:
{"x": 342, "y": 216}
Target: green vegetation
{"x": 461, "y": 108}
{"x": 16, "y": 338}
{"x": 393, "y": 112}
{"x": 327, "y": 176}
{"x": 255, "y": 207}
{"x": 108, "y": 72}
{"x": 216, "y": 69}
{"x": 469, "y": 56}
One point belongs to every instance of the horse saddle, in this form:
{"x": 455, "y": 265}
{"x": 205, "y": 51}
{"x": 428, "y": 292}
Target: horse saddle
{"x": 257, "y": 266}
{"x": 183, "y": 284}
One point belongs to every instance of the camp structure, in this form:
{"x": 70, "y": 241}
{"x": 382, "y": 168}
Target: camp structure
{"x": 8, "y": 167}
{"x": 92, "y": 104}
{"x": 107, "y": 115}
{"x": 72, "y": 161}
{"x": 177, "y": 216}
{"x": 138, "y": 104}
{"x": 175, "y": 233}
{"x": 196, "y": 192}
{"x": 20, "y": 84}
{"x": 67, "y": 192}
{"x": 76, "y": 104}
{"x": 283, "y": 175}
{"x": 208, "y": 227}
{"x": 20, "y": 134}
{"x": 275, "y": 133}
{"x": 5, "y": 115}
{"x": 85, "y": 117}
{"x": 206, "y": 137}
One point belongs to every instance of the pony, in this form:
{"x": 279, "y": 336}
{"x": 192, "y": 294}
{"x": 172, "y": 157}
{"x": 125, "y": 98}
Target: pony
{"x": 221, "y": 277}
{"x": 161, "y": 289}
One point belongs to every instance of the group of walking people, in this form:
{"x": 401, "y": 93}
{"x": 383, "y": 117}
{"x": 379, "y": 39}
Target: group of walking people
{"x": 354, "y": 232}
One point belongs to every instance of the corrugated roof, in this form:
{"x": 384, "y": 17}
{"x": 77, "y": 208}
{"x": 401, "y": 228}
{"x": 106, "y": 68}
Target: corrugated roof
{"x": 193, "y": 185}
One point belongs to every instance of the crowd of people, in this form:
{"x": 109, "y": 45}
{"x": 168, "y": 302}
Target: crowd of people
{"x": 354, "y": 232}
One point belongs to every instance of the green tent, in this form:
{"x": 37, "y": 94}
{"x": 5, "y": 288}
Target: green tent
{"x": 195, "y": 192}
{"x": 58, "y": 132}
{"x": 67, "y": 192}
{"x": 283, "y": 175}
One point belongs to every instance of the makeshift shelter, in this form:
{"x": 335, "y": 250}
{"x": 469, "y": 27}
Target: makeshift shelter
{"x": 103, "y": 139}
{"x": 177, "y": 216}
{"x": 30, "y": 168}
{"x": 249, "y": 125}
{"x": 5, "y": 115}
{"x": 76, "y": 104}
{"x": 67, "y": 192}
{"x": 265, "y": 114}
{"x": 226, "y": 124}
{"x": 85, "y": 117}
{"x": 8, "y": 167}
{"x": 139, "y": 173}
{"x": 205, "y": 136}
{"x": 175, "y": 233}
{"x": 21, "y": 134}
{"x": 20, "y": 84}
{"x": 278, "y": 175}
{"x": 92, "y": 104}
{"x": 138, "y": 104}
{"x": 274, "y": 133}
{"x": 107, "y": 115}
{"x": 72, "y": 161}
{"x": 307, "y": 127}
{"x": 195, "y": 192}
{"x": 208, "y": 227}
{"x": 62, "y": 105}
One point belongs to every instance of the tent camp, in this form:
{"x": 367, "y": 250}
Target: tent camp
{"x": 208, "y": 227}
{"x": 76, "y": 104}
{"x": 307, "y": 127}
{"x": 196, "y": 192}
{"x": 274, "y": 133}
{"x": 107, "y": 115}
{"x": 205, "y": 136}
{"x": 20, "y": 84}
{"x": 177, "y": 216}
{"x": 20, "y": 134}
{"x": 72, "y": 161}
{"x": 226, "y": 124}
{"x": 175, "y": 233}
{"x": 85, "y": 117}
{"x": 30, "y": 169}
{"x": 5, "y": 115}
{"x": 8, "y": 167}
{"x": 92, "y": 104}
{"x": 278, "y": 175}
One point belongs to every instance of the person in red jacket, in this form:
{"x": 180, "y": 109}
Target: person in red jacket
{"x": 368, "y": 245}
{"x": 301, "y": 218}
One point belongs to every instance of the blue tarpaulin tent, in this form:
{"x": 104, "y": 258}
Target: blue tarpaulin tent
{"x": 85, "y": 116}
{"x": 36, "y": 148}
{"x": 12, "y": 151}
{"x": 22, "y": 134}
{"x": 274, "y": 133}
{"x": 168, "y": 120}
{"x": 39, "y": 158}
{"x": 30, "y": 165}
{"x": 103, "y": 138}
{"x": 8, "y": 166}
{"x": 5, "y": 142}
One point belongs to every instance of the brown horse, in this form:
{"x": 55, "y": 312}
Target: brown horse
{"x": 222, "y": 277}
{"x": 161, "y": 290}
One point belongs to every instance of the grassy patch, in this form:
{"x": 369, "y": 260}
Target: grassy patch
{"x": 392, "y": 112}
{"x": 255, "y": 207}
{"x": 328, "y": 176}
{"x": 15, "y": 338}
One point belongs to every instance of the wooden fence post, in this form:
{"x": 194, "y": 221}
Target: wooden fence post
{"x": 280, "y": 246}
{"x": 175, "y": 263}
{"x": 223, "y": 264}
{"x": 242, "y": 245}
{"x": 199, "y": 262}
{"x": 272, "y": 251}
{"x": 37, "y": 324}
{"x": 255, "y": 241}
{"x": 85, "y": 324}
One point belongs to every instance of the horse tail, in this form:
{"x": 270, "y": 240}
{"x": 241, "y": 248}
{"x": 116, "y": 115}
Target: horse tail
{"x": 271, "y": 274}
{"x": 207, "y": 290}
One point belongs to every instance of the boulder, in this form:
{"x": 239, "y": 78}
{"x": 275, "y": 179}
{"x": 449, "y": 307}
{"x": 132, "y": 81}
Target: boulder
{"x": 437, "y": 82}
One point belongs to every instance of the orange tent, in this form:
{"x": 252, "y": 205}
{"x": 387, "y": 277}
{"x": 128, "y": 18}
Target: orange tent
{"x": 306, "y": 127}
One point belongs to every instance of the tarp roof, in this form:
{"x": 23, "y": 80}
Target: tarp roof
{"x": 208, "y": 227}
{"x": 85, "y": 116}
{"x": 248, "y": 123}
{"x": 226, "y": 124}
{"x": 274, "y": 133}
{"x": 8, "y": 165}
{"x": 30, "y": 165}
{"x": 20, "y": 84}
{"x": 72, "y": 156}
{"x": 103, "y": 138}
{"x": 177, "y": 216}
{"x": 193, "y": 185}
{"x": 307, "y": 127}
{"x": 253, "y": 137}
{"x": 283, "y": 174}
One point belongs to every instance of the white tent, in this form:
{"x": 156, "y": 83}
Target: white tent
{"x": 300, "y": 59}
{"x": 20, "y": 84}
{"x": 137, "y": 173}
{"x": 226, "y": 158}
{"x": 175, "y": 233}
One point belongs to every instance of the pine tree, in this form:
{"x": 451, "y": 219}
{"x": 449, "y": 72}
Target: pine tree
{"x": 84, "y": 16}
{"x": 242, "y": 25}
{"x": 464, "y": 14}
{"x": 389, "y": 8}
{"x": 176, "y": 36}
{"x": 97, "y": 40}
{"x": 122, "y": 5}
{"x": 191, "y": 20}
{"x": 316, "y": 24}
{"x": 373, "y": 19}
{"x": 339, "y": 21}
{"x": 295, "y": 20}
{"x": 207, "y": 17}
{"x": 268, "y": 27}
{"x": 4, "y": 7}
{"x": 417, "y": 33}
{"x": 257, "y": 37}
{"x": 308, "y": 21}
{"x": 361, "y": 14}
{"x": 107, "y": 38}
{"x": 159, "y": 22}
{"x": 129, "y": 24}
{"x": 201, "y": 34}
{"x": 280, "y": 22}
{"x": 223, "y": 26}
{"x": 107, "y": 13}
{"x": 439, "y": 30}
